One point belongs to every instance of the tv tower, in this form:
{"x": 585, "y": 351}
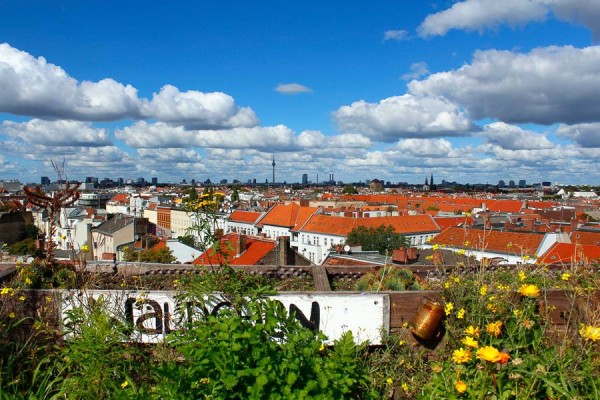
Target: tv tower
{"x": 273, "y": 164}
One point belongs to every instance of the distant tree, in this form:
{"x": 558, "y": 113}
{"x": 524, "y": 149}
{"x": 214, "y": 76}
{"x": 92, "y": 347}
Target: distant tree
{"x": 24, "y": 247}
{"x": 349, "y": 189}
{"x": 187, "y": 240}
{"x": 235, "y": 195}
{"x": 163, "y": 256}
{"x": 191, "y": 194}
{"x": 378, "y": 239}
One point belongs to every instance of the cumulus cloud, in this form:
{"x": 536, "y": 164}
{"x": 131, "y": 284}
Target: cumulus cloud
{"x": 425, "y": 147}
{"x": 292, "y": 88}
{"x": 417, "y": 70}
{"x": 197, "y": 110}
{"x": 33, "y": 87}
{"x": 512, "y": 137}
{"x": 547, "y": 85}
{"x": 316, "y": 139}
{"x": 398, "y": 35}
{"x": 586, "y": 135}
{"x": 167, "y": 155}
{"x": 478, "y": 15}
{"x": 403, "y": 116}
{"x": 160, "y": 134}
{"x": 57, "y": 133}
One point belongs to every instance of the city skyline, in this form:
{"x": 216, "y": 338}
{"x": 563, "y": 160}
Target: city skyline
{"x": 469, "y": 91}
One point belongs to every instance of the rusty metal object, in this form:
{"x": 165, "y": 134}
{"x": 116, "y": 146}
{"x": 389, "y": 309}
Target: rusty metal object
{"x": 428, "y": 320}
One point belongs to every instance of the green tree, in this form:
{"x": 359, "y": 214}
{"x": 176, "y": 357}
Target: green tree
{"x": 24, "y": 247}
{"x": 235, "y": 195}
{"x": 163, "y": 256}
{"x": 378, "y": 239}
{"x": 349, "y": 189}
{"x": 191, "y": 194}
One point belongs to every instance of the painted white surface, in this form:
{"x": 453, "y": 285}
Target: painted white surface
{"x": 365, "y": 314}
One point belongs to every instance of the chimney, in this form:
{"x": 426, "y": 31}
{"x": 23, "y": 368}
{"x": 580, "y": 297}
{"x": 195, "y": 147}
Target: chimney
{"x": 413, "y": 253}
{"x": 284, "y": 251}
{"x": 240, "y": 245}
{"x": 400, "y": 256}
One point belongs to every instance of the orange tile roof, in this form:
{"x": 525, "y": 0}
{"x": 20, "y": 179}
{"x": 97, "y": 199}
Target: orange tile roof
{"x": 568, "y": 253}
{"x": 506, "y": 206}
{"x": 248, "y": 217}
{"x": 342, "y": 226}
{"x": 287, "y": 215}
{"x": 541, "y": 205}
{"x": 517, "y": 243}
{"x": 120, "y": 198}
{"x": 256, "y": 249}
{"x": 586, "y": 237}
{"x": 447, "y": 222}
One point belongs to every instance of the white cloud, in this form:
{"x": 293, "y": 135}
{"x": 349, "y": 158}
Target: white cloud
{"x": 478, "y": 15}
{"x": 57, "y": 133}
{"x": 586, "y": 135}
{"x": 292, "y": 88}
{"x": 403, "y": 116}
{"x": 33, "y": 87}
{"x": 197, "y": 110}
{"x": 417, "y": 70}
{"x": 144, "y": 134}
{"x": 425, "y": 147}
{"x": 316, "y": 139}
{"x": 512, "y": 137}
{"x": 398, "y": 35}
{"x": 545, "y": 86}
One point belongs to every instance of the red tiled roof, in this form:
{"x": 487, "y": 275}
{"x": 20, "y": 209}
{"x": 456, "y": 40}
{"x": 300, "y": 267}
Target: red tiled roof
{"x": 287, "y": 215}
{"x": 446, "y": 222}
{"x": 490, "y": 240}
{"x": 120, "y": 198}
{"x": 586, "y": 237}
{"x": 541, "y": 205}
{"x": 256, "y": 249}
{"x": 342, "y": 226}
{"x": 568, "y": 253}
{"x": 248, "y": 217}
{"x": 506, "y": 206}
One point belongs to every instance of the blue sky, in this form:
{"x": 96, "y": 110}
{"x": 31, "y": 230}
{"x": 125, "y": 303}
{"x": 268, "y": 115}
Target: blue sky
{"x": 472, "y": 91}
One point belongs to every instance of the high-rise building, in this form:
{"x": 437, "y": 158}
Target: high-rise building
{"x": 273, "y": 164}
{"x": 511, "y": 184}
{"x": 305, "y": 179}
{"x": 45, "y": 180}
{"x": 501, "y": 183}
{"x": 522, "y": 183}
{"x": 155, "y": 181}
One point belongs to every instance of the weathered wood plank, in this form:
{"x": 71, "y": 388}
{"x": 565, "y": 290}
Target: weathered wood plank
{"x": 320, "y": 278}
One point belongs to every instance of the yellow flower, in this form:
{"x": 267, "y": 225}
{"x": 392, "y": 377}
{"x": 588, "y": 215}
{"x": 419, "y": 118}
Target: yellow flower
{"x": 460, "y": 314}
{"x": 529, "y": 290}
{"x": 429, "y": 258}
{"x": 517, "y": 312}
{"x": 456, "y": 280}
{"x": 28, "y": 281}
{"x": 389, "y": 381}
{"x": 491, "y": 307}
{"x": 205, "y": 381}
{"x": 522, "y": 276}
{"x": 494, "y": 328}
{"x": 448, "y": 308}
{"x": 589, "y": 332}
{"x": 489, "y": 353}
{"x": 460, "y": 386}
{"x": 447, "y": 285}
{"x": 469, "y": 341}
{"x": 467, "y": 243}
{"x": 22, "y": 298}
{"x": 405, "y": 387}
{"x": 483, "y": 290}
{"x": 565, "y": 276}
{"x": 461, "y": 355}
{"x": 472, "y": 331}
{"x": 85, "y": 247}
{"x": 11, "y": 315}
{"x": 461, "y": 252}
{"x": 124, "y": 385}
{"x": 436, "y": 246}
{"x": 322, "y": 347}
{"x": 7, "y": 291}
{"x": 437, "y": 368}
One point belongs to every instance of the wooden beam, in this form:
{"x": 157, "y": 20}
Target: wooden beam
{"x": 320, "y": 278}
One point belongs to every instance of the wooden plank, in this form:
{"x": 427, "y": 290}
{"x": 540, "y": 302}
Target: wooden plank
{"x": 320, "y": 278}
